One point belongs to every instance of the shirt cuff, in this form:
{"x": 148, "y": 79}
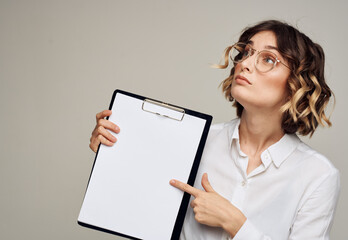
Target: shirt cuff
{"x": 247, "y": 231}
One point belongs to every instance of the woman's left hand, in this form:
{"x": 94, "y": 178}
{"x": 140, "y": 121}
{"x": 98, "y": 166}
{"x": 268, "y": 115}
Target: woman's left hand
{"x": 212, "y": 209}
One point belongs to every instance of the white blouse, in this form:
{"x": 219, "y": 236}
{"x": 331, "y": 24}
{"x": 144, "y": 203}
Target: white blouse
{"x": 291, "y": 195}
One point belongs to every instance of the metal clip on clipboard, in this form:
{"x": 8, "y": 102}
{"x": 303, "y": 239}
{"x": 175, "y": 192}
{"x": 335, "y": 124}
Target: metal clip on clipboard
{"x": 163, "y": 109}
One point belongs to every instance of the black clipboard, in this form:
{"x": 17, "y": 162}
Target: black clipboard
{"x": 166, "y": 127}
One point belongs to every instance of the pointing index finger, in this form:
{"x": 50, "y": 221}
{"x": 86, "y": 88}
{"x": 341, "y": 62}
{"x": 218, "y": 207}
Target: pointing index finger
{"x": 185, "y": 187}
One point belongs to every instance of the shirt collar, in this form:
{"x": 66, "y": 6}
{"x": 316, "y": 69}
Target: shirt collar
{"x": 278, "y": 152}
{"x": 233, "y": 131}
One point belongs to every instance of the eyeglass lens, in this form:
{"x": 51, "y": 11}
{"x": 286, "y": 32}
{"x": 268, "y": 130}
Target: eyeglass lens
{"x": 264, "y": 62}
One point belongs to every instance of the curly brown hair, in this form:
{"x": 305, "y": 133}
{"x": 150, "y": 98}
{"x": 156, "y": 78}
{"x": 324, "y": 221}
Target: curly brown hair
{"x": 308, "y": 91}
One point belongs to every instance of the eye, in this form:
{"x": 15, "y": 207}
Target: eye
{"x": 245, "y": 53}
{"x": 268, "y": 58}
{"x": 246, "y": 50}
{"x": 239, "y": 52}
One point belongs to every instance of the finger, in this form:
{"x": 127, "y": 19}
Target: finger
{"x": 104, "y": 141}
{"x": 185, "y": 187}
{"x": 206, "y": 184}
{"x": 108, "y": 125}
{"x": 94, "y": 144}
{"x": 93, "y": 147}
{"x": 95, "y": 141}
{"x": 103, "y": 114}
{"x": 193, "y": 203}
{"x": 106, "y": 134}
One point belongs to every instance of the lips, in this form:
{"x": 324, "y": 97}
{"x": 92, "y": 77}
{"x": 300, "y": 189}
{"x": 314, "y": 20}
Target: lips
{"x": 240, "y": 78}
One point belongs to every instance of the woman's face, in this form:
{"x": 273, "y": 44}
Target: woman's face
{"x": 255, "y": 90}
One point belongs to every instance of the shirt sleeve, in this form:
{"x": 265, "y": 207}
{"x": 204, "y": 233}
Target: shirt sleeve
{"x": 314, "y": 219}
{"x": 248, "y": 231}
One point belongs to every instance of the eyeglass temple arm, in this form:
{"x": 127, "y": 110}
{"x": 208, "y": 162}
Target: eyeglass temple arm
{"x": 283, "y": 63}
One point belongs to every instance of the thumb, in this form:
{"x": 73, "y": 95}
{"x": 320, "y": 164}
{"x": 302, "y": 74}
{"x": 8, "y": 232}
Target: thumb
{"x": 206, "y": 184}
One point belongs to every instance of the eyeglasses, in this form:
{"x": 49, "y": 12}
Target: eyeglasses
{"x": 265, "y": 60}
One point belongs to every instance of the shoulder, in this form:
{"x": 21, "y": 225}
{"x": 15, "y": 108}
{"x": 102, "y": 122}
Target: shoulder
{"x": 313, "y": 156}
{"x": 217, "y": 128}
{"x": 318, "y": 178}
{"x": 315, "y": 165}
{"x": 220, "y": 135}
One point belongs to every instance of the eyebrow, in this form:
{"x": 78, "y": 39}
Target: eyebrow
{"x": 266, "y": 47}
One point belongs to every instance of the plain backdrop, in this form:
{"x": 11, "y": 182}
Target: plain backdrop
{"x": 61, "y": 60}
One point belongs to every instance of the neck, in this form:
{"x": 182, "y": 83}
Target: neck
{"x": 258, "y": 131}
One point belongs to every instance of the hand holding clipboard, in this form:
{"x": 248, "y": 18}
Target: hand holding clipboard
{"x": 100, "y": 134}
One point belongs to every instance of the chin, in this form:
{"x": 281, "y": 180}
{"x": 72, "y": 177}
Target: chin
{"x": 238, "y": 95}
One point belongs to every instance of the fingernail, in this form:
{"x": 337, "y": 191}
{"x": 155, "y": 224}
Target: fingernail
{"x": 172, "y": 181}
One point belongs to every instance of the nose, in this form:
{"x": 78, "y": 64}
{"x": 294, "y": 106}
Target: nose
{"x": 248, "y": 63}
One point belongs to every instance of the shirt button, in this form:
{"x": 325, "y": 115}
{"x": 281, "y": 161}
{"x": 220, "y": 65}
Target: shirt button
{"x": 243, "y": 183}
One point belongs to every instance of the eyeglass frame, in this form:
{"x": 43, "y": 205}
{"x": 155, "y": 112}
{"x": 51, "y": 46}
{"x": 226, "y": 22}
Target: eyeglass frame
{"x": 251, "y": 52}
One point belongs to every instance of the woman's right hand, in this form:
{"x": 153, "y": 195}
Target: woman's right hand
{"x": 100, "y": 133}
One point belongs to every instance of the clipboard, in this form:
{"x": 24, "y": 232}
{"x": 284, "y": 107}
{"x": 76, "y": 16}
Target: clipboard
{"x": 128, "y": 192}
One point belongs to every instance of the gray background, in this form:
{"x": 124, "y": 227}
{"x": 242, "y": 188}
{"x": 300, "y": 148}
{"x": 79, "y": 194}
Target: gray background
{"x": 61, "y": 60}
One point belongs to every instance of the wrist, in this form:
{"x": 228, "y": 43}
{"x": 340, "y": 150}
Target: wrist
{"x": 233, "y": 224}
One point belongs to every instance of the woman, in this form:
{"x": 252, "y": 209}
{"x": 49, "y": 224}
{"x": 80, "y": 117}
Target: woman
{"x": 264, "y": 182}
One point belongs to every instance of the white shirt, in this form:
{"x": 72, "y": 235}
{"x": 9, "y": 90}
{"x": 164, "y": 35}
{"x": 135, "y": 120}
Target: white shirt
{"x": 291, "y": 195}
